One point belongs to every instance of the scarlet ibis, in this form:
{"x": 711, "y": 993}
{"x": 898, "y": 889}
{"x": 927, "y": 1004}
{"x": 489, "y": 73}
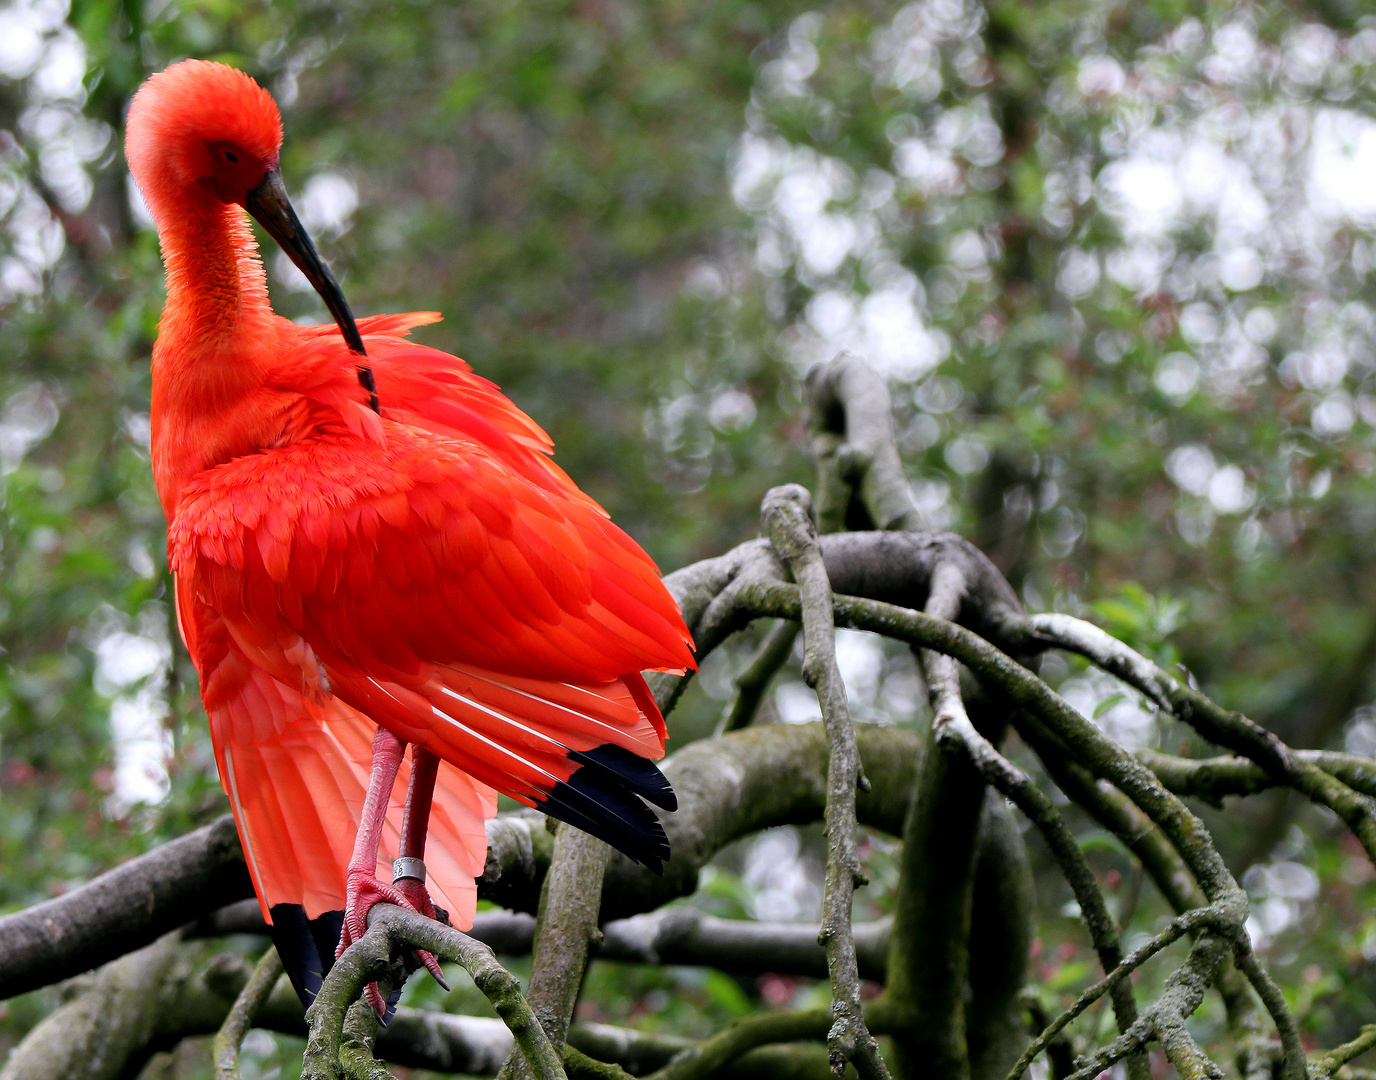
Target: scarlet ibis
{"x": 372, "y": 548}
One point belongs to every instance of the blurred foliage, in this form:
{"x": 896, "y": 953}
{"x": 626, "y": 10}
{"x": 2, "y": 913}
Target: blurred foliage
{"x": 1116, "y": 258}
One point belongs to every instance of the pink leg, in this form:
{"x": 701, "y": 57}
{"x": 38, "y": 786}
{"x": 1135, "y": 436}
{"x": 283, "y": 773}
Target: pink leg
{"x": 363, "y": 890}
{"x": 414, "y": 822}
{"x": 416, "y": 818}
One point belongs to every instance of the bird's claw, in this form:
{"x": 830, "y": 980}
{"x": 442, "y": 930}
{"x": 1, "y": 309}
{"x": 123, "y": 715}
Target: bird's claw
{"x": 366, "y": 891}
{"x": 373, "y": 996}
{"x": 418, "y": 897}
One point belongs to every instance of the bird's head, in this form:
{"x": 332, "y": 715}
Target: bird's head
{"x": 201, "y": 134}
{"x": 199, "y": 131}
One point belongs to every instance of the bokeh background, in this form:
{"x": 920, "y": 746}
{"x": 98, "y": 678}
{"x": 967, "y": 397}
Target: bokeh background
{"x": 1115, "y": 257}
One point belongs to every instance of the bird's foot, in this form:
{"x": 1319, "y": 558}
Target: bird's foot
{"x": 363, "y": 892}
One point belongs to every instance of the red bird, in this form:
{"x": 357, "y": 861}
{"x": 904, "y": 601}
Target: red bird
{"x": 373, "y": 548}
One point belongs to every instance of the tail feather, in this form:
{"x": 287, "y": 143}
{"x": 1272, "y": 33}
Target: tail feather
{"x": 306, "y": 946}
{"x": 582, "y": 748}
{"x": 579, "y": 753}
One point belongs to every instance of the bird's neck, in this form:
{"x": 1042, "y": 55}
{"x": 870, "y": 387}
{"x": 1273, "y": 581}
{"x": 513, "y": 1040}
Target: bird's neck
{"x": 217, "y": 293}
{"x": 216, "y": 344}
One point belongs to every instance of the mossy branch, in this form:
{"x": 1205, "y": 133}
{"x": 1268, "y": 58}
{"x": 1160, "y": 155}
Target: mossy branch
{"x": 224, "y": 1050}
{"x": 391, "y": 932}
{"x": 787, "y": 521}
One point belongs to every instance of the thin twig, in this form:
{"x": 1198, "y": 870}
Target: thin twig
{"x": 1339, "y": 1056}
{"x": 1179, "y": 926}
{"x": 955, "y": 731}
{"x": 1060, "y": 1051}
{"x": 790, "y": 529}
{"x": 1117, "y": 813}
{"x": 225, "y": 1048}
{"x": 1292, "y": 1064}
{"x": 1228, "y": 729}
{"x": 754, "y": 680}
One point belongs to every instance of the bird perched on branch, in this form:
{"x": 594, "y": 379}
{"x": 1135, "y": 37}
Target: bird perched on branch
{"x": 372, "y": 548}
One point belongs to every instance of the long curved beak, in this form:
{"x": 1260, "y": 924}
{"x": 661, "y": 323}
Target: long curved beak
{"x": 269, "y": 205}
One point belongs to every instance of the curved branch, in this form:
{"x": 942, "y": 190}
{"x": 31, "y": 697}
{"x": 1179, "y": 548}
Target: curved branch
{"x": 752, "y": 682}
{"x": 850, "y": 420}
{"x": 392, "y": 931}
{"x": 707, "y": 1057}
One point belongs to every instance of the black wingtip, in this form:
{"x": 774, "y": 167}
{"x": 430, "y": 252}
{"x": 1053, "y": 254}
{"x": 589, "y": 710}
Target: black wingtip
{"x": 596, "y": 799}
{"x": 635, "y": 772}
{"x": 307, "y": 947}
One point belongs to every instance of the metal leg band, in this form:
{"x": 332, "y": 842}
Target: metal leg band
{"x": 407, "y": 867}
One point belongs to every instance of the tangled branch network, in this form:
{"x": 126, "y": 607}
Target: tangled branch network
{"x": 952, "y": 962}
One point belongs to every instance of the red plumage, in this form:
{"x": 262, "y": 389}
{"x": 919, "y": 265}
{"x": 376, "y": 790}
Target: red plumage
{"x": 425, "y": 567}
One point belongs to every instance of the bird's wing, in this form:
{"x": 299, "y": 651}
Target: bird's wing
{"x": 425, "y": 549}
{"x": 294, "y": 761}
{"x": 457, "y": 588}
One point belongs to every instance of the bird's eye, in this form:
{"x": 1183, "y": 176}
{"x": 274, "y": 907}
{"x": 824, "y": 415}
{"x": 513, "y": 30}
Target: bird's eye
{"x": 231, "y": 157}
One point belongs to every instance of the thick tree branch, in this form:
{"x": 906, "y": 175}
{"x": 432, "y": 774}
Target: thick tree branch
{"x": 102, "y": 1031}
{"x": 123, "y": 909}
{"x": 671, "y": 935}
{"x": 684, "y": 935}
{"x": 1004, "y": 911}
{"x": 565, "y": 928}
{"x": 929, "y": 958}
